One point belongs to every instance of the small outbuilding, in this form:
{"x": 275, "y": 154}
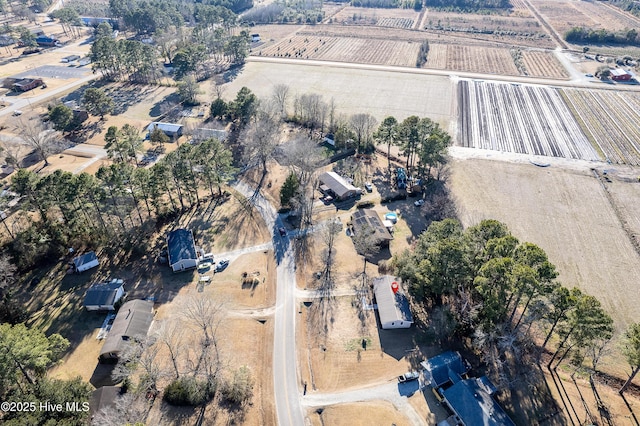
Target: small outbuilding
{"x": 618, "y": 74}
{"x": 85, "y": 262}
{"x": 255, "y": 38}
{"x": 367, "y": 220}
{"x": 172, "y": 130}
{"x": 337, "y": 186}
{"x": 393, "y": 306}
{"x": 181, "y": 249}
{"x": 104, "y": 296}
{"x": 133, "y": 321}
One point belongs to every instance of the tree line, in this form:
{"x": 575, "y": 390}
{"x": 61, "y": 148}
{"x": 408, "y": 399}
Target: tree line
{"x": 497, "y": 292}
{"x": 602, "y": 36}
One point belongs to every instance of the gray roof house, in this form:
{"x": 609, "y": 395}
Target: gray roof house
{"x": 104, "y": 296}
{"x": 393, "y": 308}
{"x": 182, "y": 250}
{"x": 103, "y": 399}
{"x": 339, "y": 187}
{"x": 133, "y": 320}
{"x": 170, "y": 129}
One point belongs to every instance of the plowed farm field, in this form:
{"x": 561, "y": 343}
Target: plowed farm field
{"x": 562, "y": 15}
{"x": 611, "y": 120}
{"x": 519, "y": 118}
{"x": 385, "y": 52}
{"x": 543, "y": 64}
{"x": 471, "y": 58}
{"x": 395, "y": 18}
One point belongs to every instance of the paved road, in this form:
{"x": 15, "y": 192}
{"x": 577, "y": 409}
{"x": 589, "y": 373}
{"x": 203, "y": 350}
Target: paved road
{"x": 285, "y": 362}
{"x": 55, "y": 71}
{"x": 592, "y": 84}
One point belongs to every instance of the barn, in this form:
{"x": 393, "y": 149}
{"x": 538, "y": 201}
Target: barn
{"x": 618, "y": 74}
{"x": 393, "y": 306}
{"x": 181, "y": 249}
{"x": 85, "y": 262}
{"x": 104, "y": 296}
{"x": 336, "y": 186}
{"x": 133, "y": 321}
{"x": 170, "y": 129}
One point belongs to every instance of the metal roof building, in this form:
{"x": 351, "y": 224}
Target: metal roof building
{"x": 170, "y": 129}
{"x": 393, "y": 308}
{"x": 338, "y": 185}
{"x": 133, "y": 320}
{"x": 104, "y": 296}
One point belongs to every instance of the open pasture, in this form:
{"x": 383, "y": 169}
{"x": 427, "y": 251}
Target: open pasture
{"x": 470, "y": 23}
{"x": 488, "y": 60}
{"x": 521, "y": 119}
{"x": 364, "y": 51}
{"x": 562, "y": 15}
{"x": 611, "y": 118}
{"x": 544, "y": 64}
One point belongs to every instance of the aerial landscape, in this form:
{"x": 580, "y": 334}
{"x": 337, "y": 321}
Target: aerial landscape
{"x": 280, "y": 212}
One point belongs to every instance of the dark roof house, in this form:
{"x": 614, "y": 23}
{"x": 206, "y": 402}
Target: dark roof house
{"x": 369, "y": 221}
{"x": 393, "y": 307}
{"x": 446, "y": 367}
{"x": 181, "y": 248}
{"x": 133, "y": 320}
{"x": 26, "y": 84}
{"x": 104, "y": 296}
{"x": 472, "y": 401}
{"x": 103, "y": 398}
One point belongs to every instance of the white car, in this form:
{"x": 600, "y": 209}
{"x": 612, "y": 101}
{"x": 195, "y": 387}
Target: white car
{"x": 368, "y": 187}
{"x": 419, "y": 203}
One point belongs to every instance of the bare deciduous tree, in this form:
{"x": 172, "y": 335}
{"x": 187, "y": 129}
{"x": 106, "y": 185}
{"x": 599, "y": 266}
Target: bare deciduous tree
{"x": 130, "y": 408}
{"x": 367, "y": 244}
{"x": 170, "y": 335}
{"x": 280, "y": 95}
{"x": 363, "y": 125}
{"x": 260, "y": 139}
{"x": 329, "y": 235}
{"x": 42, "y": 139}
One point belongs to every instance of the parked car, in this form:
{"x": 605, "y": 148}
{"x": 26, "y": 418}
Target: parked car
{"x": 328, "y": 199}
{"x": 419, "y": 203}
{"x": 407, "y": 377}
{"x": 368, "y": 187}
{"x": 222, "y": 265}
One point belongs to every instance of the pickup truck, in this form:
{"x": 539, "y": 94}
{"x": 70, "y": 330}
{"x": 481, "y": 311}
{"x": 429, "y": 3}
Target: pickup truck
{"x": 407, "y": 377}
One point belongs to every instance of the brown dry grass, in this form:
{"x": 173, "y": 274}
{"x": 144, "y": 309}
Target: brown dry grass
{"x": 380, "y": 412}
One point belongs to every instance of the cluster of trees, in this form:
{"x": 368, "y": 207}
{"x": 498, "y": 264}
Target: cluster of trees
{"x": 95, "y": 101}
{"x": 497, "y": 289}
{"x": 296, "y": 11}
{"x": 82, "y": 208}
{"x": 469, "y": 5}
{"x": 25, "y": 356}
{"x": 423, "y": 53}
{"x": 389, "y": 4}
{"x": 70, "y": 21}
{"x": 602, "y": 36}
{"x": 630, "y": 6}
{"x": 422, "y": 141}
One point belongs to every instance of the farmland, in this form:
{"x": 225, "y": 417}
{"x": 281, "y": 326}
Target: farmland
{"x": 564, "y": 14}
{"x": 611, "y": 119}
{"x": 394, "y": 18}
{"x": 471, "y": 58}
{"x": 539, "y": 63}
{"x": 366, "y": 51}
{"x": 521, "y": 119}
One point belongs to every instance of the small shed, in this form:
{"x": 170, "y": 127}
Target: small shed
{"x": 393, "y": 307}
{"x": 170, "y": 129}
{"x": 182, "y": 252}
{"x": 85, "y": 262}
{"x": 367, "y": 220}
{"x": 104, "y": 296}
{"x": 133, "y": 321}
{"x": 340, "y": 188}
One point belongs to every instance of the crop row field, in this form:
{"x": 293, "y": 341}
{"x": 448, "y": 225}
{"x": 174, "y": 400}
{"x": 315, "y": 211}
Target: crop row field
{"x": 489, "y": 60}
{"x": 611, "y": 118}
{"x": 385, "y": 52}
{"x": 519, "y": 118}
{"x": 395, "y": 23}
{"x": 374, "y": 16}
{"x": 467, "y": 22}
{"x": 540, "y": 63}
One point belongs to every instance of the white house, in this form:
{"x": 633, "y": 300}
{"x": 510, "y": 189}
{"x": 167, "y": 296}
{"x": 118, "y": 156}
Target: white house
{"x": 393, "y": 307}
{"x": 85, "y": 262}
{"x": 104, "y": 296}
{"x": 182, "y": 250}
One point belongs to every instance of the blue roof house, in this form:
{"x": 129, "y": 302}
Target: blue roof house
{"x": 443, "y": 368}
{"x": 181, "y": 248}
{"x": 471, "y": 400}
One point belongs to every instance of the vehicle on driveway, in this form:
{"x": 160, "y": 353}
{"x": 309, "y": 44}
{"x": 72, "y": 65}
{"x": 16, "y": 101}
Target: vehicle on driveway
{"x": 419, "y": 203}
{"x": 368, "y": 187}
{"x": 282, "y": 231}
{"x": 221, "y": 265}
{"x": 407, "y": 377}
